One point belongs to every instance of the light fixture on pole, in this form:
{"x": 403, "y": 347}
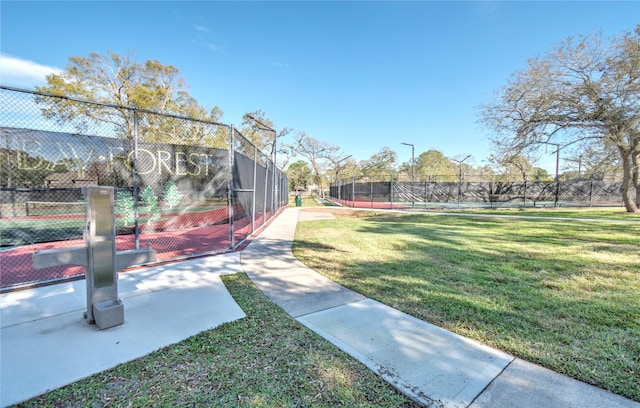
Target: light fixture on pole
{"x": 338, "y": 165}
{"x": 268, "y": 128}
{"x": 580, "y": 166}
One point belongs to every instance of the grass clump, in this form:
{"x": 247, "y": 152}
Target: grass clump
{"x": 563, "y": 294}
{"x": 266, "y": 359}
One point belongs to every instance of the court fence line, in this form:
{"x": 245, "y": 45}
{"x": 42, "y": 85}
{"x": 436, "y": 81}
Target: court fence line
{"x": 441, "y": 192}
{"x": 185, "y": 187}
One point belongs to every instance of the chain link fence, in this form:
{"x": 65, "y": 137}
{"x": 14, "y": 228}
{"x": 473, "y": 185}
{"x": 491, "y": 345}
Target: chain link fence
{"x": 490, "y": 192}
{"x": 184, "y": 187}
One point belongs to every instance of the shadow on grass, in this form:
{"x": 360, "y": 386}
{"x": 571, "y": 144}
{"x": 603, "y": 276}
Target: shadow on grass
{"x": 561, "y": 296}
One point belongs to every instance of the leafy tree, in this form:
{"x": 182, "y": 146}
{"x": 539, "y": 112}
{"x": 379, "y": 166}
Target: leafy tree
{"x": 540, "y": 174}
{"x": 300, "y": 175}
{"x": 380, "y": 164}
{"x": 120, "y": 83}
{"x": 515, "y": 167}
{"x": 432, "y": 165}
{"x": 584, "y": 93}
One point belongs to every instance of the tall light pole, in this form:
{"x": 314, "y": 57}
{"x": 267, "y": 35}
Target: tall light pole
{"x": 460, "y": 175}
{"x": 412, "y": 157}
{"x": 412, "y": 174}
{"x": 579, "y": 160}
{"x": 580, "y": 166}
{"x": 338, "y": 165}
{"x": 263, "y": 126}
{"x": 555, "y": 204}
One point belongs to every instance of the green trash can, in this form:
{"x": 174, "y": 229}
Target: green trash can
{"x": 298, "y": 201}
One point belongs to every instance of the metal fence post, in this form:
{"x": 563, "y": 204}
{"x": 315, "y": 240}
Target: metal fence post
{"x": 459, "y": 184}
{"x": 353, "y": 191}
{"x": 491, "y": 192}
{"x": 425, "y": 194}
{"x": 266, "y": 186}
{"x": 10, "y": 178}
{"x": 230, "y": 186}
{"x": 134, "y": 180}
{"x": 274, "y": 189}
{"x": 253, "y": 193}
{"x": 371, "y": 193}
{"x": 391, "y": 191}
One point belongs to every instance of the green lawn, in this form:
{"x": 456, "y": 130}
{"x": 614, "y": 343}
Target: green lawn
{"x": 616, "y": 213}
{"x": 563, "y": 294}
{"x": 264, "y": 360}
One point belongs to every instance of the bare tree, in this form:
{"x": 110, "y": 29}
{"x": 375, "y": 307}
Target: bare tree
{"x": 514, "y": 167}
{"x": 316, "y": 152}
{"x": 584, "y": 93}
{"x": 340, "y": 163}
{"x": 262, "y": 133}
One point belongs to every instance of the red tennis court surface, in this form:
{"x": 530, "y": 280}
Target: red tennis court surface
{"x": 16, "y": 264}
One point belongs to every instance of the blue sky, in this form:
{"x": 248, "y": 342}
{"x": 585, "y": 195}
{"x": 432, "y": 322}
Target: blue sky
{"x": 359, "y": 75}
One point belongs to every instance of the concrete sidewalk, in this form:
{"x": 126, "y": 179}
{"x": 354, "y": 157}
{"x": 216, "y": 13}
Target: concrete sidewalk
{"x": 432, "y": 366}
{"x": 45, "y": 343}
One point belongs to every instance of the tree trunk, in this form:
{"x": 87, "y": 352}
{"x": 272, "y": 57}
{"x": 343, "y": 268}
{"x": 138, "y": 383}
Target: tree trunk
{"x": 629, "y": 176}
{"x": 636, "y": 175}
